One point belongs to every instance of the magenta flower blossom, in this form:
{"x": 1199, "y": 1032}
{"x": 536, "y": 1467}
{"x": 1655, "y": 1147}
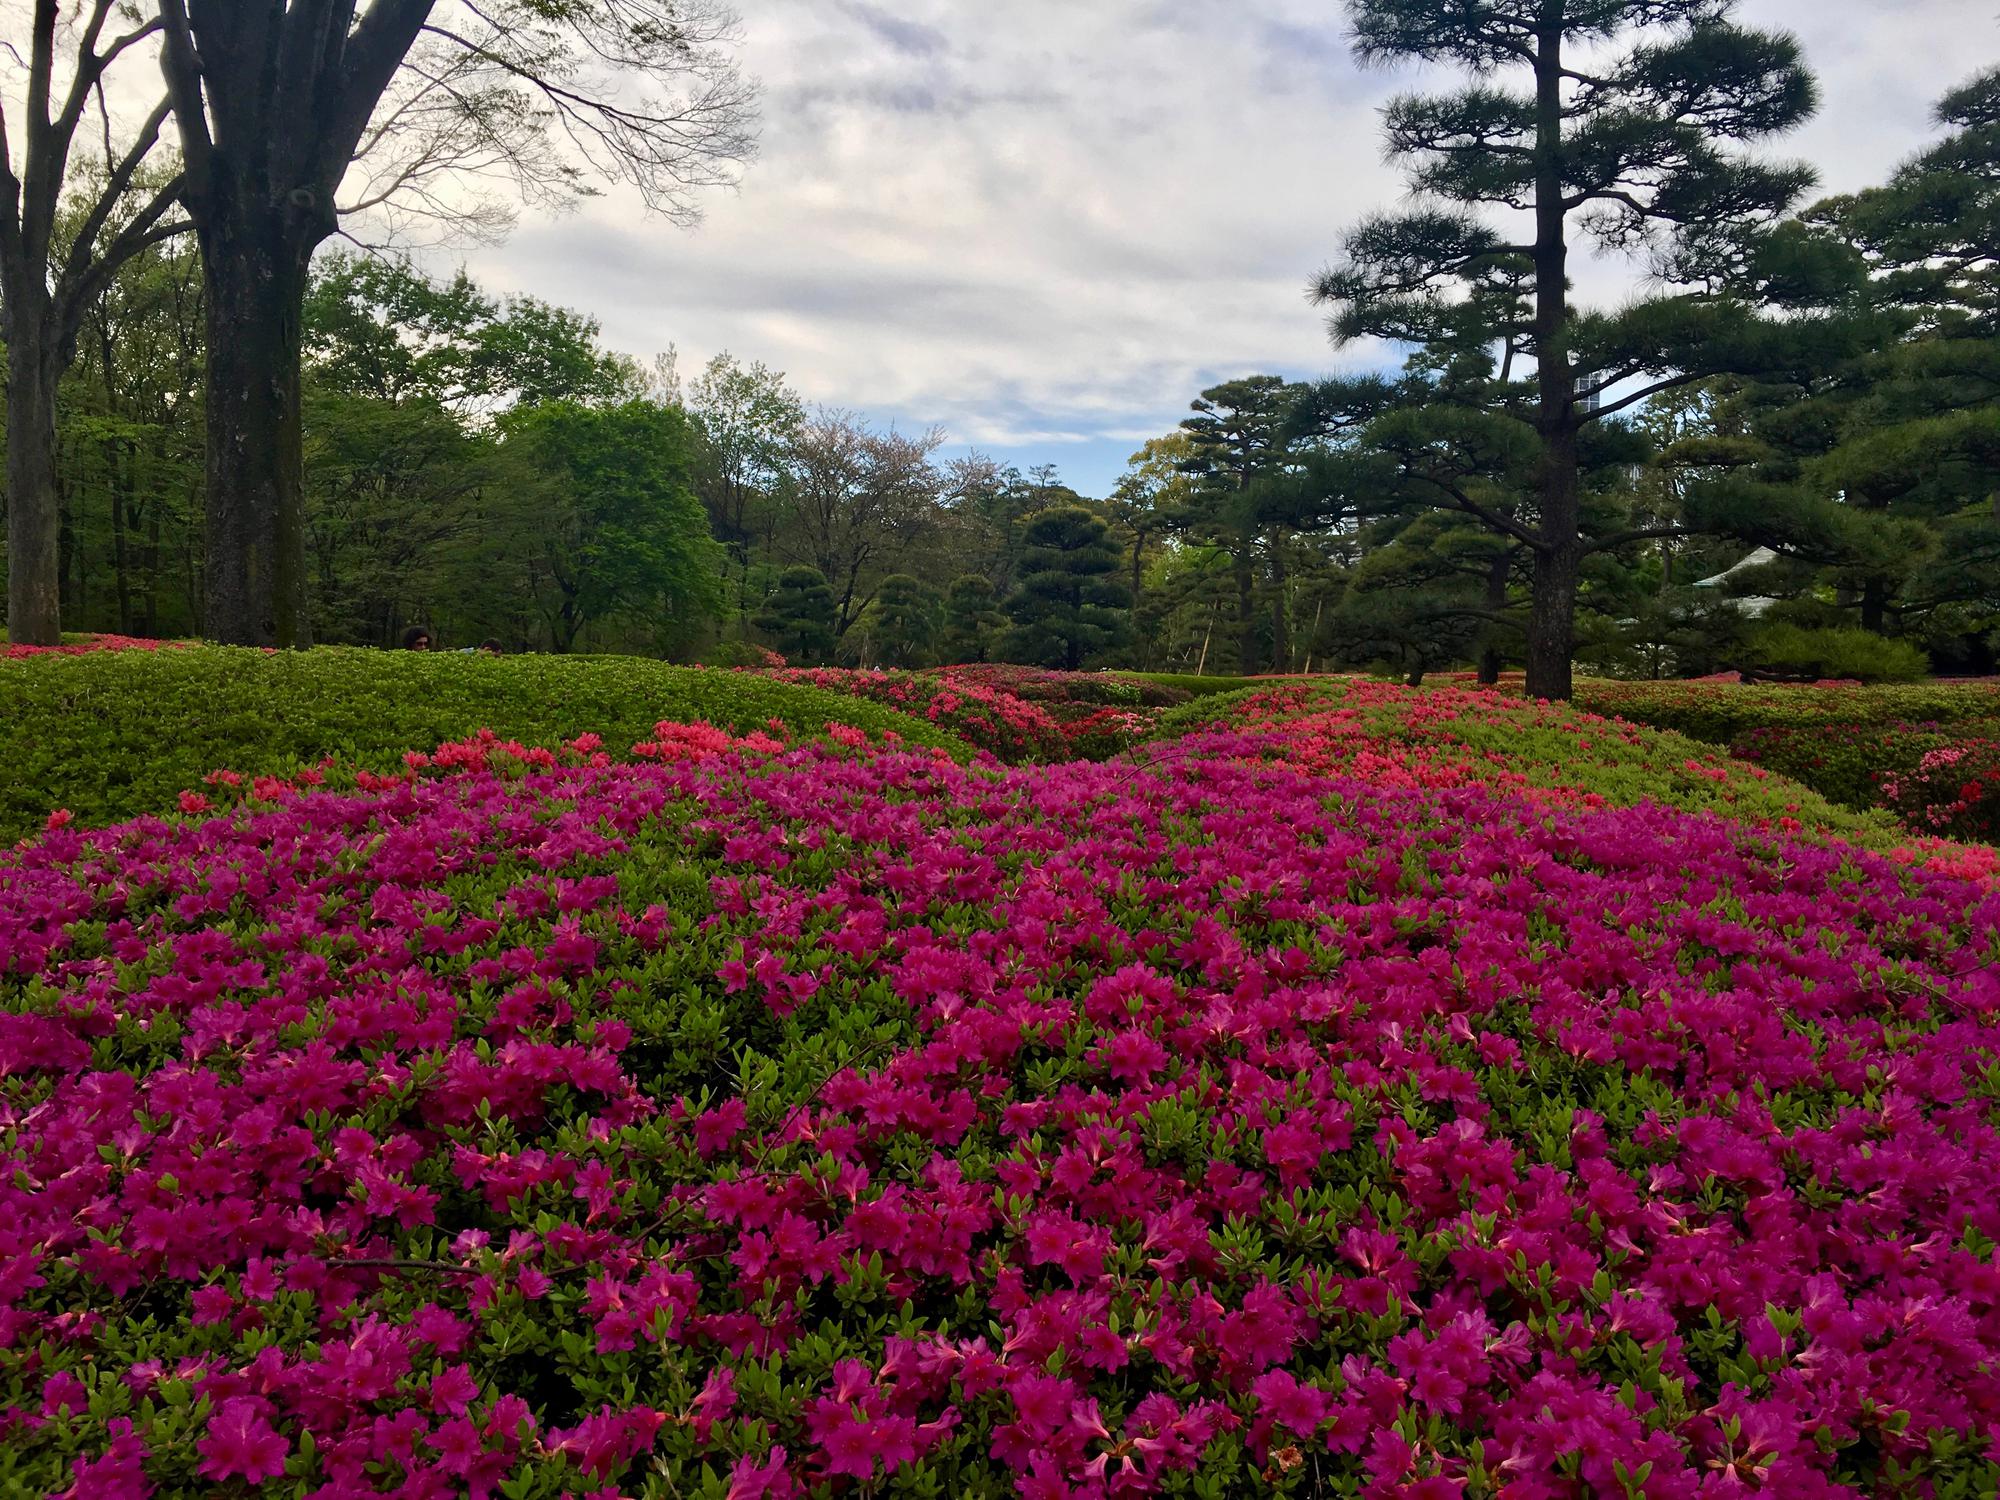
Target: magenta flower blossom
{"x": 800, "y": 1115}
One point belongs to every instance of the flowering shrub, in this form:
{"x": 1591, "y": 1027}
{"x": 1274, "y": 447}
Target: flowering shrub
{"x": 1952, "y": 790}
{"x": 991, "y": 718}
{"x": 113, "y": 734}
{"x": 1101, "y": 733}
{"x": 82, "y": 645}
{"x": 1449, "y": 737}
{"x": 1720, "y": 712}
{"x": 744, "y": 1119}
{"x": 1087, "y": 690}
{"x": 1847, "y": 763}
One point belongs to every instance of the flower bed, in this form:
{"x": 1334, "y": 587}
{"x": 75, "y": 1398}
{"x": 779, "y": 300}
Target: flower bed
{"x": 1068, "y": 689}
{"x": 1448, "y": 737}
{"x": 1953, "y": 790}
{"x": 997, "y": 721}
{"x": 751, "y": 1119}
{"x": 113, "y": 734}
{"x": 83, "y": 645}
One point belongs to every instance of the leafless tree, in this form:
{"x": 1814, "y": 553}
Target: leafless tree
{"x": 857, "y": 501}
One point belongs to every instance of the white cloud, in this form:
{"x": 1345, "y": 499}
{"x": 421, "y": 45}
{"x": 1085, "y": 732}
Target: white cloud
{"x": 1047, "y": 223}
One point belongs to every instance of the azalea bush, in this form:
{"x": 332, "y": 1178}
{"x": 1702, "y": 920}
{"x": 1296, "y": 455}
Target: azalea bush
{"x": 115, "y": 733}
{"x": 80, "y": 645}
{"x": 1447, "y": 737}
{"x": 1721, "y": 712}
{"x": 1100, "y": 714}
{"x": 1849, "y": 762}
{"x": 989, "y": 717}
{"x": 1952, "y": 790}
{"x": 1074, "y": 690}
{"x": 739, "y": 1115}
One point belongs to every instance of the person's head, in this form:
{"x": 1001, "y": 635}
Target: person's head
{"x": 490, "y": 646}
{"x": 416, "y": 638}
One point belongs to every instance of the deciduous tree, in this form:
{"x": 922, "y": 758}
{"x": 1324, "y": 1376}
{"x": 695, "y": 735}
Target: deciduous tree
{"x": 275, "y": 100}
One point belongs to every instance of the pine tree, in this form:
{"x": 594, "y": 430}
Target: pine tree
{"x": 799, "y": 615}
{"x": 1619, "y": 135}
{"x": 972, "y": 620}
{"x": 1238, "y": 446}
{"x": 1070, "y": 605}
{"x": 903, "y": 622}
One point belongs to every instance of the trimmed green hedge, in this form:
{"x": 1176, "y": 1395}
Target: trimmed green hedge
{"x": 113, "y": 734}
{"x": 1202, "y": 687}
{"x": 1847, "y": 762}
{"x": 1720, "y": 712}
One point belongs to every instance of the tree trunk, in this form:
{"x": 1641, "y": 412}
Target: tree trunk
{"x": 1281, "y": 605}
{"x": 1559, "y": 550}
{"x": 121, "y": 571}
{"x": 34, "y": 509}
{"x": 1874, "y": 605}
{"x": 1497, "y": 574}
{"x": 152, "y": 556}
{"x": 1552, "y": 622}
{"x": 255, "y": 275}
{"x": 1246, "y": 608}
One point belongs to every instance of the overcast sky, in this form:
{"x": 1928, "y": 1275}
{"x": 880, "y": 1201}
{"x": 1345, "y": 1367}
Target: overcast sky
{"x": 1045, "y": 225}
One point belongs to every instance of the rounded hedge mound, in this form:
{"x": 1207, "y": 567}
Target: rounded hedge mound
{"x": 111, "y": 734}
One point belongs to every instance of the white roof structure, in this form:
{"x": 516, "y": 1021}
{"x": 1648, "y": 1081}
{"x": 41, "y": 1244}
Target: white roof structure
{"x": 1751, "y": 605}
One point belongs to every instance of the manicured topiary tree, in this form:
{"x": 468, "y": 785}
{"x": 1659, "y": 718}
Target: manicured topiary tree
{"x": 972, "y": 620}
{"x": 904, "y": 622}
{"x": 1071, "y": 605}
{"x": 798, "y": 616}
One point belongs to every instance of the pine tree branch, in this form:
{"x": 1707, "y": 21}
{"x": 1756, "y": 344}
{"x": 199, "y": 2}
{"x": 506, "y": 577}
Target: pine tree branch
{"x": 1639, "y": 534}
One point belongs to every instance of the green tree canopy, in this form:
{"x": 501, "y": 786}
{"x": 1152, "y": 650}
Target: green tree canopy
{"x": 1606, "y": 121}
{"x": 799, "y": 615}
{"x": 1070, "y": 604}
{"x": 604, "y": 520}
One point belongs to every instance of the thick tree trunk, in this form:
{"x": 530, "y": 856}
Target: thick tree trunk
{"x": 1552, "y": 622}
{"x": 34, "y": 508}
{"x": 1874, "y": 605}
{"x": 1559, "y": 549}
{"x": 255, "y": 274}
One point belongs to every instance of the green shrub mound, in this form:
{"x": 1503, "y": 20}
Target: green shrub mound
{"x": 1206, "y": 687}
{"x": 1545, "y": 746}
{"x": 1791, "y": 652}
{"x": 1721, "y": 712}
{"x": 1846, "y": 763}
{"x": 114, "y": 734}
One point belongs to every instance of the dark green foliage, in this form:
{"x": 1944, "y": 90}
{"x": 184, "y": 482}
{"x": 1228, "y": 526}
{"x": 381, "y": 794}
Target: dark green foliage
{"x": 972, "y": 620}
{"x": 113, "y": 734}
{"x": 904, "y": 623}
{"x": 1070, "y": 605}
{"x": 1639, "y": 156}
{"x": 798, "y": 616}
{"x": 1240, "y": 451}
{"x": 1722, "y": 712}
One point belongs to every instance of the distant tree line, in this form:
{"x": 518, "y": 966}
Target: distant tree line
{"x": 1783, "y": 457}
